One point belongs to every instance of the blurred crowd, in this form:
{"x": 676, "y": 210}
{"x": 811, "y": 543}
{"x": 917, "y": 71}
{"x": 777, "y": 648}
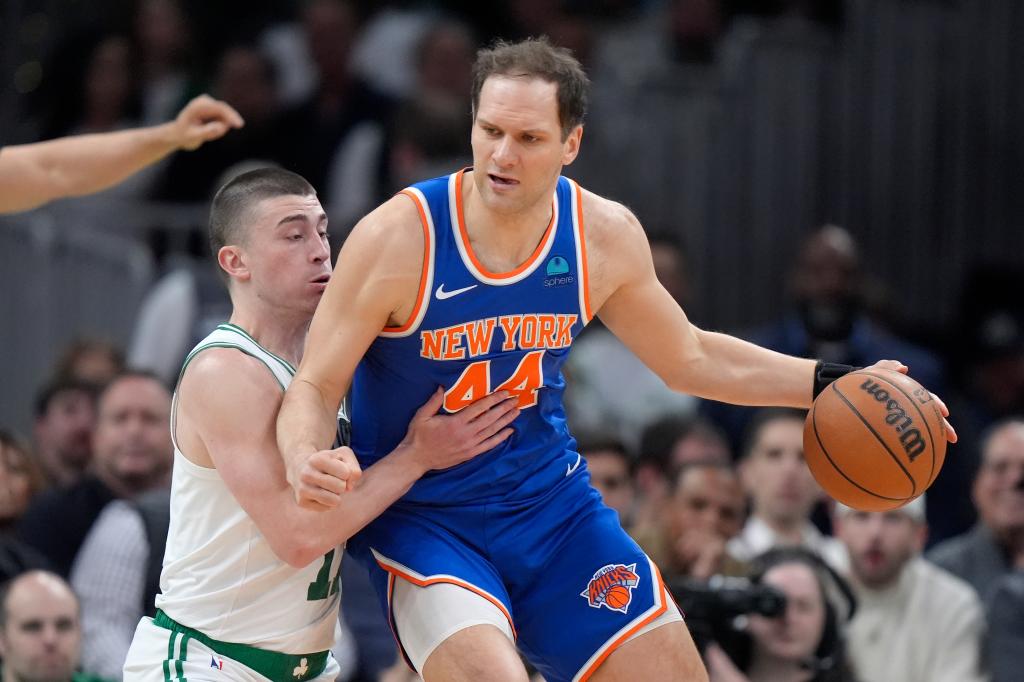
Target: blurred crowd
{"x": 364, "y": 98}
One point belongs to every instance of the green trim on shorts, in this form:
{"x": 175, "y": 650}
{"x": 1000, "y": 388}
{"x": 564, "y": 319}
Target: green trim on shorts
{"x": 271, "y": 664}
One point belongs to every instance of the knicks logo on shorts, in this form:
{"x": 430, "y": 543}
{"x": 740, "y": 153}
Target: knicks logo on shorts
{"x": 612, "y": 586}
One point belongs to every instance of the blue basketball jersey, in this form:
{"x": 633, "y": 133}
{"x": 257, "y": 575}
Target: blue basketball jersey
{"x": 473, "y": 332}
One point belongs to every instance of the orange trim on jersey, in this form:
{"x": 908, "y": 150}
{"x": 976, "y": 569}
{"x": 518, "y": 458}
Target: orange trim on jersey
{"x": 464, "y": 236}
{"x": 629, "y": 633}
{"x": 452, "y": 581}
{"x": 421, "y": 294}
{"x": 585, "y": 275}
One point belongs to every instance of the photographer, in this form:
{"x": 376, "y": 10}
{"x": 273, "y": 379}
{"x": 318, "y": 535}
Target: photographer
{"x": 803, "y": 644}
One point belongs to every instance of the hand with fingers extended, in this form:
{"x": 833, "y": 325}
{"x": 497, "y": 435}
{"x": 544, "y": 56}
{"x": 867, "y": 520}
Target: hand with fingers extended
{"x": 324, "y": 477}
{"x": 440, "y": 441}
{"x": 897, "y": 366}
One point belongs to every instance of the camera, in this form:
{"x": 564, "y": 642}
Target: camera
{"x": 711, "y": 608}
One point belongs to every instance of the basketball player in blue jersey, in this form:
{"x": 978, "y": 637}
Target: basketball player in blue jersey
{"x": 480, "y": 281}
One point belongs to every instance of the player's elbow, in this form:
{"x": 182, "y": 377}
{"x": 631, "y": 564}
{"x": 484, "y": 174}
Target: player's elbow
{"x": 295, "y": 550}
{"x": 298, "y": 554}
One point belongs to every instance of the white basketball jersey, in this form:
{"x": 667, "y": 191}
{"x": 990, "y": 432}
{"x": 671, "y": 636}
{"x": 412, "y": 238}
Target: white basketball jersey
{"x": 219, "y": 574}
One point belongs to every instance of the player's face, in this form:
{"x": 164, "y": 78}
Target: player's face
{"x": 999, "y": 488}
{"x": 880, "y": 544}
{"x": 41, "y": 639}
{"x": 795, "y": 635}
{"x": 609, "y": 473}
{"x": 775, "y": 474}
{"x": 132, "y": 441}
{"x": 287, "y": 253}
{"x": 518, "y": 151}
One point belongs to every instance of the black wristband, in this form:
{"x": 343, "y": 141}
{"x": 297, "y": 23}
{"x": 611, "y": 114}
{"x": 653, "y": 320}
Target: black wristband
{"x": 827, "y": 372}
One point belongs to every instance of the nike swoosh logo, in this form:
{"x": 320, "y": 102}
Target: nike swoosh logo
{"x": 569, "y": 468}
{"x": 441, "y": 294}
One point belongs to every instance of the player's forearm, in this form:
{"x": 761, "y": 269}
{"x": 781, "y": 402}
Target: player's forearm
{"x": 305, "y": 422}
{"x": 735, "y": 371}
{"x": 84, "y": 164}
{"x": 380, "y": 486}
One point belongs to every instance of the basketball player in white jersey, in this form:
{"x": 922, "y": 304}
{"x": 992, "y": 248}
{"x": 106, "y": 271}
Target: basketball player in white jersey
{"x": 249, "y": 589}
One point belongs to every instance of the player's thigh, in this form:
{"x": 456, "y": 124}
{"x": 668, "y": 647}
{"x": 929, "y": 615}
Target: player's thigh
{"x": 479, "y": 653}
{"x": 666, "y": 653}
{"x": 451, "y": 632}
{"x": 585, "y": 594}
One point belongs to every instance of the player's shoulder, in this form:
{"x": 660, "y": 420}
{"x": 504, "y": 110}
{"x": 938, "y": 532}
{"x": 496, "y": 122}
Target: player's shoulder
{"x": 224, "y": 372}
{"x": 606, "y": 218}
{"x": 393, "y": 222}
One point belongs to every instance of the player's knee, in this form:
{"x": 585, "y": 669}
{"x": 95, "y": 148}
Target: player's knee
{"x": 666, "y": 653}
{"x": 480, "y": 653}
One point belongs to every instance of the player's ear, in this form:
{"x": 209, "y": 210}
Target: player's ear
{"x": 232, "y": 261}
{"x": 571, "y": 146}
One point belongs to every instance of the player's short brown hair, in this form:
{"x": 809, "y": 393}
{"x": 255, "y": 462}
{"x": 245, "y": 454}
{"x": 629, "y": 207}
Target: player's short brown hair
{"x": 536, "y": 58}
{"x": 233, "y": 201}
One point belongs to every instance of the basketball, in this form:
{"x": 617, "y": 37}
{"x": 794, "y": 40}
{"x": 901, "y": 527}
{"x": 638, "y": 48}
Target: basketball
{"x": 617, "y": 596}
{"x": 875, "y": 439}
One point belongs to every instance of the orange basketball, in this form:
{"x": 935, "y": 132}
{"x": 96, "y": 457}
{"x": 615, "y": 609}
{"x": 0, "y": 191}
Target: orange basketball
{"x": 875, "y": 439}
{"x": 617, "y": 596}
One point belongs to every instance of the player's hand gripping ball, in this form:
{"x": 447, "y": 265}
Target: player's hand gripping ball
{"x": 875, "y": 439}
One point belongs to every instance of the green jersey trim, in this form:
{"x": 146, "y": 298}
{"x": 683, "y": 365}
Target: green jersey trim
{"x": 271, "y": 664}
{"x": 229, "y": 327}
{"x": 227, "y": 344}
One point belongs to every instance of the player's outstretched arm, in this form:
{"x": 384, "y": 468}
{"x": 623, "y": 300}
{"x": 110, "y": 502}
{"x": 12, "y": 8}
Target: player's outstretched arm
{"x": 227, "y": 408}
{"x": 33, "y": 174}
{"x": 636, "y": 308}
{"x": 378, "y": 272}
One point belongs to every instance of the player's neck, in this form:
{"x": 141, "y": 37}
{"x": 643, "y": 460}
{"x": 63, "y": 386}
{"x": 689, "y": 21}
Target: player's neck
{"x": 282, "y": 335}
{"x": 511, "y": 237}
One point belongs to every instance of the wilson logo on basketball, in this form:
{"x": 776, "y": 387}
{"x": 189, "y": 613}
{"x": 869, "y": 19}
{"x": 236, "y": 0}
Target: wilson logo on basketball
{"x": 896, "y": 417}
{"x": 612, "y": 587}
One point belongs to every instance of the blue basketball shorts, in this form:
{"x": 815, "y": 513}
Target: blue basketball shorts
{"x": 572, "y": 584}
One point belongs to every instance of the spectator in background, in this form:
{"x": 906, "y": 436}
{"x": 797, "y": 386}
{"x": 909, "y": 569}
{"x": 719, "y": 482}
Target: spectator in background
{"x": 65, "y": 414}
{"x": 1006, "y": 625}
{"x": 40, "y": 637}
{"x": 828, "y": 320}
{"x": 163, "y": 40}
{"x": 132, "y": 453}
{"x": 336, "y": 137}
{"x": 987, "y": 348}
{"x": 429, "y": 132}
{"x": 914, "y": 622}
{"x": 665, "y": 446}
{"x": 20, "y": 481}
{"x": 93, "y": 87}
{"x": 807, "y": 642}
{"x": 704, "y": 512}
{"x": 245, "y": 78}
{"x": 90, "y": 360}
{"x": 986, "y": 553}
{"x": 611, "y": 473}
{"x": 782, "y": 491}
{"x": 608, "y": 387}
